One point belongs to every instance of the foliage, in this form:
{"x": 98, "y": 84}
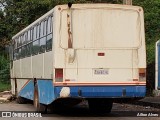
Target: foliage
{"x": 17, "y": 14}
{"x": 4, "y": 67}
{"x": 4, "y": 86}
{"x": 152, "y": 25}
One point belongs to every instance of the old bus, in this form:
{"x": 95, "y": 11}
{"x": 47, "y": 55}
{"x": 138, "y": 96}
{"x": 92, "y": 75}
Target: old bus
{"x": 94, "y": 52}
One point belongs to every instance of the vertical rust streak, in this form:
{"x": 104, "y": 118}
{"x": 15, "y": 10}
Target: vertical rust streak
{"x": 69, "y": 32}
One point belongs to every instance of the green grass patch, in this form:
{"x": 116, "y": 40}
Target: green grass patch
{"x": 4, "y": 86}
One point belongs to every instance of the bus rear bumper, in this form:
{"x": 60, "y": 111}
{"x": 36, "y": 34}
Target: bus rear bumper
{"x": 101, "y": 91}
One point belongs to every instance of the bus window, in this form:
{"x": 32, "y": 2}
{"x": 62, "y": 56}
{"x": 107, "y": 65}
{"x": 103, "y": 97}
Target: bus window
{"x": 45, "y": 27}
{"x": 28, "y": 36}
{"x": 15, "y": 48}
{"x": 23, "y": 52}
{"x": 49, "y": 42}
{"x": 28, "y": 49}
{"x": 42, "y": 44}
{"x": 34, "y": 33}
{"x": 49, "y": 34}
{"x": 42, "y": 37}
{"x": 18, "y": 53}
{"x": 15, "y": 43}
{"x": 19, "y": 41}
{"x": 49, "y": 25}
{"x": 41, "y": 29}
{"x": 38, "y": 33}
{"x": 15, "y": 54}
{"x": 35, "y": 47}
{"x": 22, "y": 40}
{"x": 25, "y": 38}
{"x": 31, "y": 35}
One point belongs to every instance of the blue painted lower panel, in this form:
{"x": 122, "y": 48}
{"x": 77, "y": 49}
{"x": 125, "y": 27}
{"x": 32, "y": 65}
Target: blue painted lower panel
{"x": 105, "y": 91}
{"x": 28, "y": 91}
{"x": 45, "y": 91}
{"x": 48, "y": 92}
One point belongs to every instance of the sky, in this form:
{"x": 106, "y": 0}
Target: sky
{"x": 1, "y": 7}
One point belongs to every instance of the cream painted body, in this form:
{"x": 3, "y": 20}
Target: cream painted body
{"x": 115, "y": 30}
{"x": 38, "y": 66}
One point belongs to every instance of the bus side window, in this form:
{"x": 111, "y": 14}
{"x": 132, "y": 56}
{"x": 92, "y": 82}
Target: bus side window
{"x": 28, "y": 49}
{"x": 29, "y": 44}
{"x": 25, "y": 37}
{"x": 42, "y": 37}
{"x": 49, "y": 34}
{"x": 23, "y": 51}
{"x": 35, "y": 45}
{"x": 19, "y": 41}
{"x": 19, "y": 53}
{"x": 28, "y": 36}
{"x": 15, "y": 54}
{"x": 15, "y": 43}
{"x": 15, "y": 49}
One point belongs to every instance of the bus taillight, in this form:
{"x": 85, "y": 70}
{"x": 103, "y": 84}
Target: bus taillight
{"x": 59, "y": 75}
{"x": 142, "y": 74}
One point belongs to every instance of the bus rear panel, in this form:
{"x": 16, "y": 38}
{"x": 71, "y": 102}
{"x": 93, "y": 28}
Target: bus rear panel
{"x": 100, "y": 52}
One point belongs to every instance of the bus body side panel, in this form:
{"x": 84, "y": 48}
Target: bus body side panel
{"x": 45, "y": 91}
{"x": 27, "y": 90}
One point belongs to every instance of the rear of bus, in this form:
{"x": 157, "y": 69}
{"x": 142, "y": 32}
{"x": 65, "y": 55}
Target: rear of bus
{"x": 99, "y": 53}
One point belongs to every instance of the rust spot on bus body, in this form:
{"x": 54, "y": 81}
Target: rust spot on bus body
{"x": 59, "y": 8}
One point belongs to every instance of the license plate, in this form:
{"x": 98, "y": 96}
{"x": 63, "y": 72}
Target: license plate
{"x": 101, "y": 72}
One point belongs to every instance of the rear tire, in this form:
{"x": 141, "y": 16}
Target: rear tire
{"x": 38, "y": 106}
{"x": 100, "y": 106}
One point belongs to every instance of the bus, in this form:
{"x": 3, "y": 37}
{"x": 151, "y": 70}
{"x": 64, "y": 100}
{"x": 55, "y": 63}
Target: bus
{"x": 157, "y": 66}
{"x": 93, "y": 52}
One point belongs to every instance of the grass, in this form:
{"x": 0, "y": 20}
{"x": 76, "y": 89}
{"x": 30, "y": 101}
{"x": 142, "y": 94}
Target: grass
{"x": 4, "y": 86}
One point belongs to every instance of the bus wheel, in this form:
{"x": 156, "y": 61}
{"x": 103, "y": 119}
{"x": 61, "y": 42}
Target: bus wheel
{"x": 100, "y": 106}
{"x": 38, "y": 106}
{"x": 21, "y": 100}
